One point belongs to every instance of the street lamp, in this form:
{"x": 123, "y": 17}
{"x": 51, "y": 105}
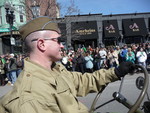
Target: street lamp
{"x": 9, "y": 20}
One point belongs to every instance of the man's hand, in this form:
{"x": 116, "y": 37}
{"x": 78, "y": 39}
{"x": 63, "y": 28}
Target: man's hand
{"x": 124, "y": 68}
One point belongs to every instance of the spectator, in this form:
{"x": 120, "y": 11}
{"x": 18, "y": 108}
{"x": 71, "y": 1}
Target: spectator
{"x": 123, "y": 53}
{"x": 96, "y": 57}
{"x": 2, "y": 73}
{"x": 84, "y": 48}
{"x": 112, "y": 58}
{"x": 65, "y": 61}
{"x": 130, "y": 56}
{"x": 147, "y": 50}
{"x": 141, "y": 57}
{"x": 80, "y": 63}
{"x": 88, "y": 62}
{"x": 74, "y": 62}
{"x": 102, "y": 54}
{"x": 3, "y": 59}
{"x": 11, "y": 66}
{"x": 134, "y": 50}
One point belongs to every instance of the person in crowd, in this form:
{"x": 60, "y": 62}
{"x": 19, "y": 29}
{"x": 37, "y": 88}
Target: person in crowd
{"x": 123, "y": 53}
{"x": 74, "y": 61}
{"x": 112, "y": 58}
{"x": 70, "y": 48}
{"x": 130, "y": 56}
{"x": 80, "y": 63}
{"x": 64, "y": 60}
{"x": 147, "y": 50}
{"x": 2, "y": 73}
{"x": 3, "y": 59}
{"x": 84, "y": 49}
{"x": 96, "y": 57}
{"x": 89, "y": 48}
{"x": 102, "y": 55}
{"x": 6, "y": 66}
{"x": 117, "y": 49}
{"x": 80, "y": 50}
{"x": 11, "y": 67}
{"x": 45, "y": 86}
{"x": 88, "y": 62}
{"x": 141, "y": 57}
{"x": 70, "y": 57}
{"x": 134, "y": 50}
{"x": 70, "y": 52}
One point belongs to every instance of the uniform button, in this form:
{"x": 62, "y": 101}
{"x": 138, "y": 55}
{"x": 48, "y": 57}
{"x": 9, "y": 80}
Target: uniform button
{"x": 28, "y": 75}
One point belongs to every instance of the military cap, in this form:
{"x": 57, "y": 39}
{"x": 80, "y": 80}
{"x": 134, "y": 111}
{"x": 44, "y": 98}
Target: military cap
{"x": 38, "y": 24}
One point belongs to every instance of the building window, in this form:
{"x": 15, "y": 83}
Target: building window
{"x": 21, "y": 9}
{"x": 36, "y": 10}
{"x": 21, "y": 18}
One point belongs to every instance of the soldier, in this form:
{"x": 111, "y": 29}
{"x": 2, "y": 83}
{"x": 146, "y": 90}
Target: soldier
{"x": 44, "y": 86}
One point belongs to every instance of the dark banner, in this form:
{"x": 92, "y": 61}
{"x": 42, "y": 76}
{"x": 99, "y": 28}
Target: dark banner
{"x": 110, "y": 28}
{"x": 84, "y": 30}
{"x": 62, "y": 27}
{"x": 134, "y": 27}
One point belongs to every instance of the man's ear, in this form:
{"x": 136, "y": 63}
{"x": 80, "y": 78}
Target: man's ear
{"x": 41, "y": 44}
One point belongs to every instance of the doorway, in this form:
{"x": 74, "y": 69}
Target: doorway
{"x": 86, "y": 43}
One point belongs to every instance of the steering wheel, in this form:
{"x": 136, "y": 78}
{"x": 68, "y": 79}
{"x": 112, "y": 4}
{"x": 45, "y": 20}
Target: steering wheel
{"x": 117, "y": 96}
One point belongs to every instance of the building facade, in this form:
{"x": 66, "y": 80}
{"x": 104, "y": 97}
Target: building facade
{"x": 104, "y": 30}
{"x": 9, "y": 25}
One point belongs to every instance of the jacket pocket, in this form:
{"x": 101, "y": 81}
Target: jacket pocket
{"x": 62, "y": 86}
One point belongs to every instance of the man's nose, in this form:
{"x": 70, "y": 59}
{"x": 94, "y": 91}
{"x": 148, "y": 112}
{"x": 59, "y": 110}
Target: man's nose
{"x": 61, "y": 46}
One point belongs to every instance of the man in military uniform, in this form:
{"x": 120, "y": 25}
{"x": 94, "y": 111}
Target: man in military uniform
{"x": 47, "y": 87}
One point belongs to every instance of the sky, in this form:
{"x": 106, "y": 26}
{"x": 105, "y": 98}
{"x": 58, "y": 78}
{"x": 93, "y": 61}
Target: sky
{"x": 107, "y": 7}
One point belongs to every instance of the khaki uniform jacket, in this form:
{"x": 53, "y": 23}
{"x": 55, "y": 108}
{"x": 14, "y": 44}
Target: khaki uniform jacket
{"x": 39, "y": 90}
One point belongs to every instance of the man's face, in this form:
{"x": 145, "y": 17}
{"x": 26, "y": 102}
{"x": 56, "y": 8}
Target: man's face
{"x": 53, "y": 46}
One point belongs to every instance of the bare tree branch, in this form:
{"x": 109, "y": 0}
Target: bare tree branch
{"x": 70, "y": 9}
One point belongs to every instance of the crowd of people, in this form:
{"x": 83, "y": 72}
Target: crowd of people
{"x": 83, "y": 60}
{"x": 10, "y": 67}
{"x": 90, "y": 59}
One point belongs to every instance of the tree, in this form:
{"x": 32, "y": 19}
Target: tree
{"x": 35, "y": 8}
{"x": 69, "y": 9}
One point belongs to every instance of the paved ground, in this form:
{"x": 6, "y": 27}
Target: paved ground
{"x": 4, "y": 89}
